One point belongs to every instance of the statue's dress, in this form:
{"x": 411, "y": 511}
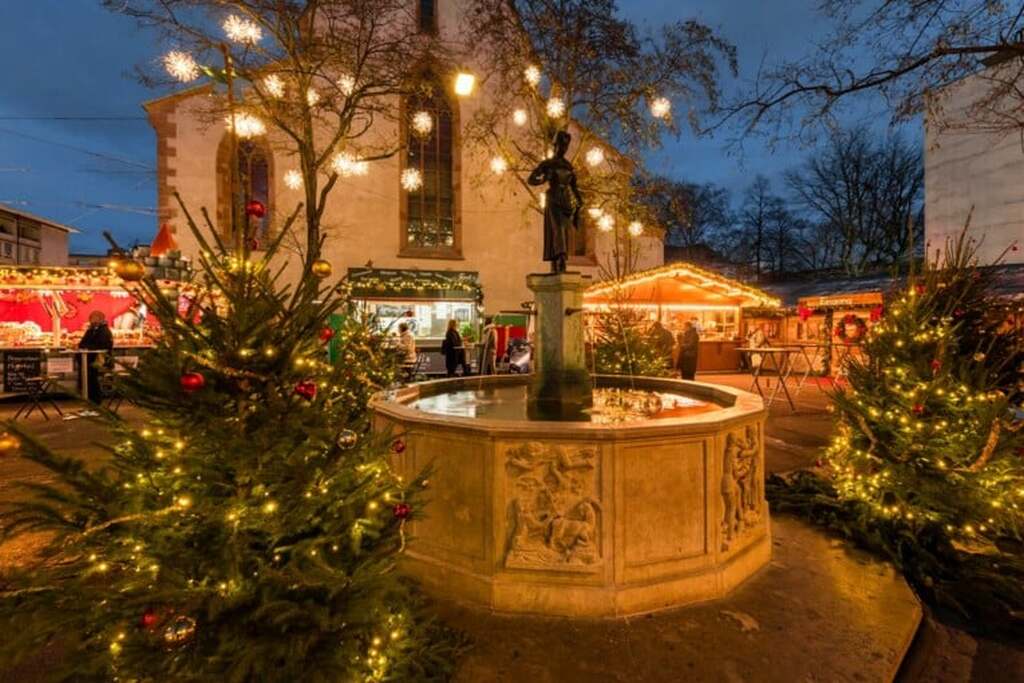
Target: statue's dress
{"x": 559, "y": 209}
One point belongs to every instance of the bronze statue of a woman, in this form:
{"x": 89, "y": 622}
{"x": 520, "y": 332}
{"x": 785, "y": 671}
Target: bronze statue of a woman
{"x": 563, "y": 205}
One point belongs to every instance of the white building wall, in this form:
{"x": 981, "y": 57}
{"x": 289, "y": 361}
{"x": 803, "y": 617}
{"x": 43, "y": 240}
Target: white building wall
{"x": 976, "y": 174}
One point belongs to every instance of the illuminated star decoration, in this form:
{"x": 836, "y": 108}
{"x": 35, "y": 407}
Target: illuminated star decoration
{"x": 245, "y": 125}
{"x": 422, "y": 123}
{"x": 555, "y": 107}
{"x": 532, "y": 75}
{"x": 347, "y": 85}
{"x": 312, "y": 97}
{"x": 519, "y": 117}
{"x": 181, "y": 66}
{"x": 274, "y": 85}
{"x": 412, "y": 179}
{"x": 661, "y": 107}
{"x": 242, "y": 30}
{"x": 293, "y": 179}
{"x": 499, "y": 165}
{"x": 606, "y": 223}
{"x": 345, "y": 165}
{"x": 595, "y": 156}
{"x": 636, "y": 228}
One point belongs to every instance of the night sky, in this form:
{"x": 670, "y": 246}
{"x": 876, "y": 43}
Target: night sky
{"x": 71, "y": 58}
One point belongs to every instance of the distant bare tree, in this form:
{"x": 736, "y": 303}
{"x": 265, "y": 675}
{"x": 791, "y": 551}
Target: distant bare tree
{"x": 902, "y": 50}
{"x": 692, "y": 214}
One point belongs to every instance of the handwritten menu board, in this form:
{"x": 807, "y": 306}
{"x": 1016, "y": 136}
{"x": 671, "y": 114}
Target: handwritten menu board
{"x": 19, "y": 367}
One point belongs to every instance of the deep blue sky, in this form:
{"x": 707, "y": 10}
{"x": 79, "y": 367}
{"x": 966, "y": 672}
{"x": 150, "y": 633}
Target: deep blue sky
{"x": 71, "y": 58}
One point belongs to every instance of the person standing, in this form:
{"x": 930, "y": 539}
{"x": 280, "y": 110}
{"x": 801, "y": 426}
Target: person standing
{"x": 97, "y": 337}
{"x": 453, "y": 350}
{"x": 407, "y": 345}
{"x": 689, "y": 349}
{"x": 489, "y": 355}
{"x": 663, "y": 341}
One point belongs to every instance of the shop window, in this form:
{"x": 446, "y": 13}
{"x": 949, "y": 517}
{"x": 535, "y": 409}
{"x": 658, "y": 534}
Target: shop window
{"x": 253, "y": 166}
{"x": 430, "y": 223}
{"x": 428, "y": 16}
{"x": 426, "y": 319}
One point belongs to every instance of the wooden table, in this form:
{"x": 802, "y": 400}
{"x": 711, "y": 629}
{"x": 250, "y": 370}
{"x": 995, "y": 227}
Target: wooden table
{"x": 780, "y": 359}
{"x": 818, "y": 352}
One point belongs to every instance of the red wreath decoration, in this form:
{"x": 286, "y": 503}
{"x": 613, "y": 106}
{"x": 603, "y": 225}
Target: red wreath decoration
{"x": 851, "y": 319}
{"x": 804, "y": 313}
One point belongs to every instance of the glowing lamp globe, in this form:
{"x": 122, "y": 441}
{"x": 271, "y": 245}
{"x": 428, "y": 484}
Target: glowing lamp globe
{"x": 129, "y": 270}
{"x": 321, "y": 268}
{"x": 465, "y": 83}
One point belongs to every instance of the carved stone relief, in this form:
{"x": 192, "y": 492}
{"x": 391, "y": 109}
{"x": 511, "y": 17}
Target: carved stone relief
{"x": 554, "y": 513}
{"x": 742, "y": 484}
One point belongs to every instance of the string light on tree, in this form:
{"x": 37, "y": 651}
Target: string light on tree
{"x": 555, "y": 107}
{"x": 242, "y": 30}
{"x": 346, "y": 165}
{"x": 531, "y": 74}
{"x": 661, "y": 108}
{"x": 595, "y": 156}
{"x": 293, "y": 179}
{"x": 520, "y": 117}
{"x": 636, "y": 228}
{"x": 245, "y": 125}
{"x": 499, "y": 165}
{"x": 347, "y": 85}
{"x": 412, "y": 179}
{"x": 422, "y": 123}
{"x": 606, "y": 223}
{"x": 312, "y": 97}
{"x": 181, "y": 66}
{"x": 274, "y": 85}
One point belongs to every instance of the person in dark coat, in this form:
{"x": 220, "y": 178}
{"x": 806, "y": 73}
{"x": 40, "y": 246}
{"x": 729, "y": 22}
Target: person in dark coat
{"x": 97, "y": 337}
{"x": 663, "y": 340}
{"x": 689, "y": 347}
{"x": 453, "y": 350}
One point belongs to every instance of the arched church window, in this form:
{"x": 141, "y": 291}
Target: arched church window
{"x": 253, "y": 175}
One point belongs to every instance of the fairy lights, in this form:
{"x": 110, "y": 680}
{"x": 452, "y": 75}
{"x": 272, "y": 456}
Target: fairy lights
{"x": 242, "y": 30}
{"x": 636, "y": 228}
{"x": 274, "y": 85}
{"x": 293, "y": 179}
{"x": 412, "y": 179}
{"x": 661, "y": 108}
{"x": 499, "y": 165}
{"x": 520, "y": 117}
{"x": 606, "y": 222}
{"x": 531, "y": 74}
{"x": 346, "y": 165}
{"x": 595, "y": 156}
{"x": 347, "y": 84}
{"x": 181, "y": 66}
{"x": 555, "y": 107}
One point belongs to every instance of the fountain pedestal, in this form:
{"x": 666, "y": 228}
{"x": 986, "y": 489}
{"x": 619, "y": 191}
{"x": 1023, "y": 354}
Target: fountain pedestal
{"x": 561, "y": 387}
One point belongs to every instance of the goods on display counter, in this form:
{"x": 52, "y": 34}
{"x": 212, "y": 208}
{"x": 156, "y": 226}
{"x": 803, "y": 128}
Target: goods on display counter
{"x": 680, "y": 292}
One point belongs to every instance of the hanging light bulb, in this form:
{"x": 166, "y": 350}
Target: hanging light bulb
{"x": 532, "y": 75}
{"x": 555, "y": 107}
{"x": 422, "y": 123}
{"x": 464, "y": 84}
{"x": 181, "y": 66}
{"x": 606, "y": 223}
{"x": 347, "y": 84}
{"x": 242, "y": 30}
{"x": 293, "y": 179}
{"x": 274, "y": 86}
{"x": 636, "y": 228}
{"x": 312, "y": 97}
{"x": 499, "y": 165}
{"x": 595, "y": 156}
{"x": 661, "y": 107}
{"x": 245, "y": 125}
{"x": 519, "y": 117}
{"x": 345, "y": 165}
{"x": 412, "y": 179}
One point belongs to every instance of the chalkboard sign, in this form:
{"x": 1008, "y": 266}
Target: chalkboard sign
{"x": 19, "y": 367}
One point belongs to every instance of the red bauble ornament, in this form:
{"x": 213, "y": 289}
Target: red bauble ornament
{"x": 256, "y": 209}
{"x": 402, "y": 510}
{"x": 326, "y": 335}
{"x": 936, "y": 365}
{"x": 919, "y": 289}
{"x": 149, "y": 619}
{"x": 398, "y": 446}
{"x": 306, "y": 389}
{"x": 192, "y": 381}
{"x": 918, "y": 409}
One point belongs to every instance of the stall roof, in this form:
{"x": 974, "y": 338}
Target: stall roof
{"x": 1008, "y": 283}
{"x": 679, "y": 283}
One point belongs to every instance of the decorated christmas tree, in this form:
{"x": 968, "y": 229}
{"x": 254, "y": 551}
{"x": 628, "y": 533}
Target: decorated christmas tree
{"x": 248, "y": 531}
{"x": 624, "y": 344}
{"x": 926, "y": 463}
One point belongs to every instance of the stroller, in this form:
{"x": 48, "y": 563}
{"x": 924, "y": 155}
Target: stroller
{"x": 519, "y": 354}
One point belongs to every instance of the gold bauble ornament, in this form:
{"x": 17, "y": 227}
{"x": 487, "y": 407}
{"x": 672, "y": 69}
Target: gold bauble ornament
{"x": 347, "y": 439}
{"x": 321, "y": 268}
{"x": 8, "y": 443}
{"x": 129, "y": 271}
{"x": 180, "y": 630}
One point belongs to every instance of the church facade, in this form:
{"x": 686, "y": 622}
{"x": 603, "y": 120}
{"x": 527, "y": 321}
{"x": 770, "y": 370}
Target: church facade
{"x": 467, "y": 221}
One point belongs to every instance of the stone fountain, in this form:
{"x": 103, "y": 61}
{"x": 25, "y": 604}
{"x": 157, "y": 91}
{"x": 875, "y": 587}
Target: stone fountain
{"x": 566, "y": 494}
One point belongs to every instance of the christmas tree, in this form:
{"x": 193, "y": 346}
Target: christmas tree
{"x": 249, "y": 530}
{"x": 624, "y": 345}
{"x": 926, "y": 465}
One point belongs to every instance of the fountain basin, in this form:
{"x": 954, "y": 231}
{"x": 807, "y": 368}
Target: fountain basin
{"x": 581, "y": 518}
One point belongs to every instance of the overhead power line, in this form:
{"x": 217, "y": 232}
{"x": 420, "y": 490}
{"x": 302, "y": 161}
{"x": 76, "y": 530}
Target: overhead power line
{"x": 73, "y": 118}
{"x": 80, "y": 150}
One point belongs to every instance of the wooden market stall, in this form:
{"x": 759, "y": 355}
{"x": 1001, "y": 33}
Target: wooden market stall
{"x": 678, "y": 292}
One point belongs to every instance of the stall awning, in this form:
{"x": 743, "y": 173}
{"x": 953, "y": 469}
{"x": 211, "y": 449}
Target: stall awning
{"x": 678, "y": 284}
{"x": 378, "y": 283}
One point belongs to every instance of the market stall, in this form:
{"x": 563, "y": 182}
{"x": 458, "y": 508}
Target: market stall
{"x": 44, "y": 312}
{"x": 425, "y": 301}
{"x": 680, "y": 292}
